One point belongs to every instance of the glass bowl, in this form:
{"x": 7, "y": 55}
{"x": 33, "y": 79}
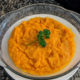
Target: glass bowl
{"x": 34, "y": 9}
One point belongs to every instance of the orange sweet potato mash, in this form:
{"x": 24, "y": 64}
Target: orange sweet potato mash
{"x": 38, "y": 60}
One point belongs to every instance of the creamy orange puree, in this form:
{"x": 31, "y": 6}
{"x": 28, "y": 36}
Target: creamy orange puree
{"x": 38, "y": 60}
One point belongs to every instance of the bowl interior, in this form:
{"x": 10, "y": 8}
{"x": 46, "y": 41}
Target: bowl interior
{"x": 4, "y": 46}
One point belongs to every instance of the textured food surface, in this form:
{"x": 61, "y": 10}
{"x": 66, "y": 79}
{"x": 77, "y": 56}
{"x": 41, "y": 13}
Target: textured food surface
{"x": 35, "y": 59}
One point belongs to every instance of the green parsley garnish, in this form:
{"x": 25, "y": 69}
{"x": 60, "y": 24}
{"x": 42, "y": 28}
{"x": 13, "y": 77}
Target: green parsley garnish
{"x": 42, "y": 35}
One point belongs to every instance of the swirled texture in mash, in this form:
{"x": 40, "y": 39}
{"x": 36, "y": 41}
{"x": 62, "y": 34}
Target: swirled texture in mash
{"x": 35, "y": 59}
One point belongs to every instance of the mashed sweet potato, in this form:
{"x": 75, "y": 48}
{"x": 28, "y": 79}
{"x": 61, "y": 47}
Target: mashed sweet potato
{"x": 35, "y": 59}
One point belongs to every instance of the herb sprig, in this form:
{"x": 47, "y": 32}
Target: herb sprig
{"x": 42, "y": 35}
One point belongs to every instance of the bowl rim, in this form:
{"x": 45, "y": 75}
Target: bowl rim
{"x": 49, "y": 77}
